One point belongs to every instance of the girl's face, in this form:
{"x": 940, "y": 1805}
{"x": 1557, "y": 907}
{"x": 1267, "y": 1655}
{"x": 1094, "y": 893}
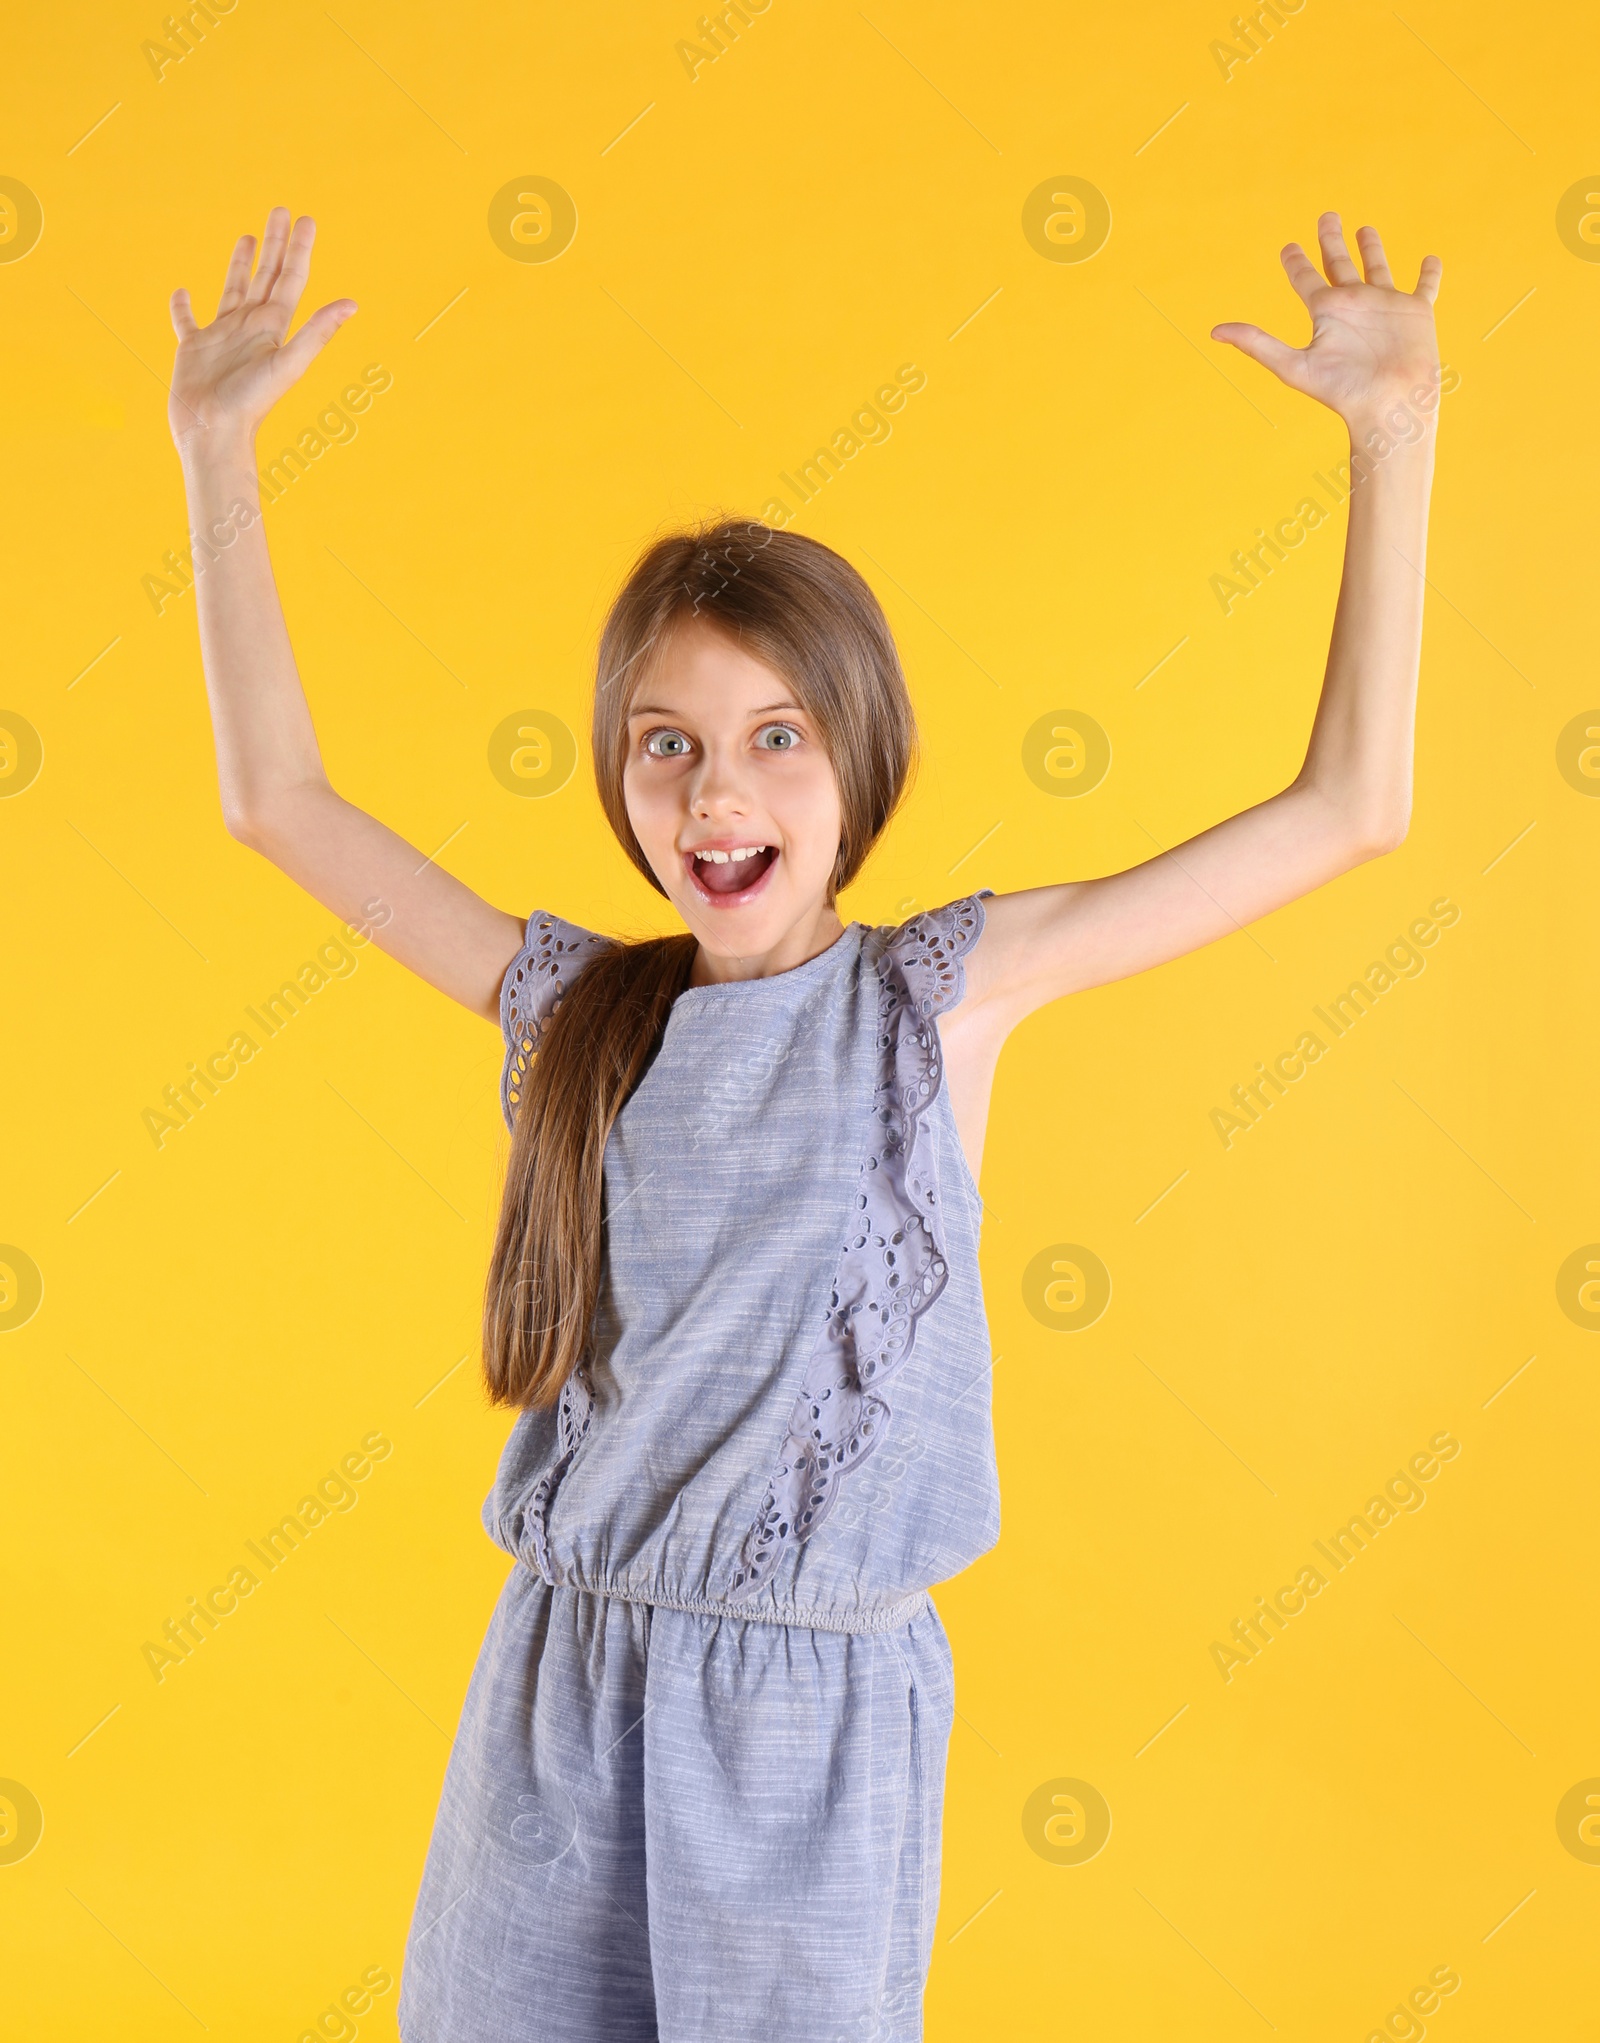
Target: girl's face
{"x": 733, "y": 798}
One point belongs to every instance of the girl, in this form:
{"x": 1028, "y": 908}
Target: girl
{"x": 697, "y": 1789}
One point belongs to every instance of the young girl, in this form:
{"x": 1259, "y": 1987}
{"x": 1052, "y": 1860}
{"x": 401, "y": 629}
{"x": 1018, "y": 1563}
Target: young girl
{"x": 697, "y": 1789}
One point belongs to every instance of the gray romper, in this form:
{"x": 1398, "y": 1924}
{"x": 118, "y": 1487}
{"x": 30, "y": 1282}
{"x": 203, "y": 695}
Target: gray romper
{"x": 697, "y": 1788}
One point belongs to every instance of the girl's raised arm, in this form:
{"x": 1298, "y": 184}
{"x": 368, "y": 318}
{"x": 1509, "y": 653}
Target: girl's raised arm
{"x": 1373, "y": 359}
{"x": 275, "y": 795}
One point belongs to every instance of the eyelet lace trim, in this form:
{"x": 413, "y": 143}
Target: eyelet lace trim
{"x": 891, "y": 1268}
{"x": 574, "y": 1410}
{"x": 536, "y": 982}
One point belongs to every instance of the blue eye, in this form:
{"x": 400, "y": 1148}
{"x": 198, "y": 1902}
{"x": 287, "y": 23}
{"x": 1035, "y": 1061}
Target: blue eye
{"x": 777, "y": 738}
{"x": 666, "y": 744}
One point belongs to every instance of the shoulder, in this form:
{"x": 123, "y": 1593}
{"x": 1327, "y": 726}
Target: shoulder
{"x": 554, "y": 951}
{"x": 922, "y": 961}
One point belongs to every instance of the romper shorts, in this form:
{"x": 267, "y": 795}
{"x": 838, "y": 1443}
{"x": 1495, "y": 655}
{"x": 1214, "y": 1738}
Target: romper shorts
{"x": 662, "y": 1825}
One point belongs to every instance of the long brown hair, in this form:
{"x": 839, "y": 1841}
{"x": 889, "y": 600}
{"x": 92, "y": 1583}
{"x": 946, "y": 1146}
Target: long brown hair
{"x": 803, "y": 610}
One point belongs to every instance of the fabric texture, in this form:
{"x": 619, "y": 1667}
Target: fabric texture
{"x": 697, "y": 1789}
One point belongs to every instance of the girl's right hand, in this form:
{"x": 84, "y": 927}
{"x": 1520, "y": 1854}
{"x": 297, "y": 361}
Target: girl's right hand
{"x": 230, "y": 374}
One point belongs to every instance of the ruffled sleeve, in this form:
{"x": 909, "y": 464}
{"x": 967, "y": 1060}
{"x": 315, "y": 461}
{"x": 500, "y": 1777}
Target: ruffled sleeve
{"x": 553, "y": 953}
{"x": 930, "y": 951}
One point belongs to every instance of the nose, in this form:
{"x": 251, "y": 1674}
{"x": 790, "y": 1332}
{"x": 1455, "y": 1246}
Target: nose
{"x": 717, "y": 790}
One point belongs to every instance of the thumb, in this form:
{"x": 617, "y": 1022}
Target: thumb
{"x": 296, "y": 356}
{"x": 1276, "y": 355}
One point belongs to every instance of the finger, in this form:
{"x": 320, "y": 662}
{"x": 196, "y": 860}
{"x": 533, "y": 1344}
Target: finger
{"x": 296, "y": 356}
{"x": 272, "y": 246}
{"x": 237, "y": 281}
{"x": 296, "y": 266}
{"x": 1428, "y": 278}
{"x": 1373, "y": 259}
{"x": 1335, "y": 256}
{"x": 1276, "y": 355}
{"x": 1302, "y": 272}
{"x": 184, "y": 324}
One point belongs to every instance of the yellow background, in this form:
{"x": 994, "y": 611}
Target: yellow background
{"x": 227, "y": 1316}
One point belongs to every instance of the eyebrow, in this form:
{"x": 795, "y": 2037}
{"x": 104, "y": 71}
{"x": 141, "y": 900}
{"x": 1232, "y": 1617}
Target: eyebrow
{"x": 772, "y": 708}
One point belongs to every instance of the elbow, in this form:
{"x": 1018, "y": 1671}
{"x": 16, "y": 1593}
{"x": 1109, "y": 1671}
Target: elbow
{"x": 1357, "y": 824}
{"x": 1379, "y": 836}
{"x": 263, "y": 818}
{"x": 1371, "y": 827}
{"x": 246, "y": 826}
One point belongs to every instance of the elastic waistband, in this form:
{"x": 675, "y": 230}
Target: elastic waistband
{"x": 886, "y": 1617}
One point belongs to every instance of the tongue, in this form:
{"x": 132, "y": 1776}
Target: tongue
{"x": 733, "y": 877}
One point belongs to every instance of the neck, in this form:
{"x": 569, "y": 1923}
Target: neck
{"x": 805, "y": 940}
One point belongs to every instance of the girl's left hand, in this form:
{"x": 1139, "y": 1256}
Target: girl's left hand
{"x": 1371, "y": 345}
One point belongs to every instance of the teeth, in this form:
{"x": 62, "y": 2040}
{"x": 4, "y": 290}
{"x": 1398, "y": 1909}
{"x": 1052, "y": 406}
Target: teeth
{"x": 732, "y": 857}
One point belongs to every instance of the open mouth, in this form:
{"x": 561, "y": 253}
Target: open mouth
{"x": 730, "y": 875}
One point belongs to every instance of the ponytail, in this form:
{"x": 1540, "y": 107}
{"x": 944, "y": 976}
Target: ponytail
{"x": 544, "y": 1273}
